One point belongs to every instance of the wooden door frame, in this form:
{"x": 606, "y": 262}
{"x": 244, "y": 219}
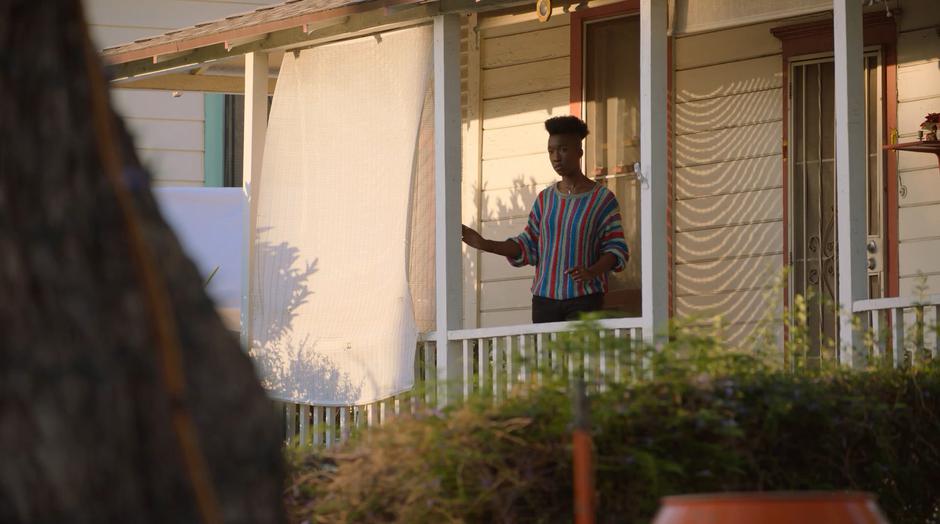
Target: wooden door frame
{"x": 576, "y": 94}
{"x": 816, "y": 37}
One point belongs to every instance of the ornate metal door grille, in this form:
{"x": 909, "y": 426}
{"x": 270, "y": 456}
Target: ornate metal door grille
{"x": 813, "y": 229}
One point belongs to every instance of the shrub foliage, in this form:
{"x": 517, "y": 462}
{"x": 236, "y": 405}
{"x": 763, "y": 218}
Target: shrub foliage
{"x": 706, "y": 421}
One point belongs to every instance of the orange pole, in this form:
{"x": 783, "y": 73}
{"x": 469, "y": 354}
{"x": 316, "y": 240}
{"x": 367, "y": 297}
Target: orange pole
{"x": 583, "y": 478}
{"x": 581, "y": 459}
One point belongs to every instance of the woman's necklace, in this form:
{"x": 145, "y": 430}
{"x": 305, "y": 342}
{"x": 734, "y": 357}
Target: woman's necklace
{"x": 573, "y": 188}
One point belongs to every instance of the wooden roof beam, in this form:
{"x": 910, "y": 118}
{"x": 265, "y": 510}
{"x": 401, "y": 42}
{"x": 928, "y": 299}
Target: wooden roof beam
{"x": 313, "y": 27}
{"x": 166, "y": 57}
{"x": 191, "y": 82}
{"x": 243, "y": 41}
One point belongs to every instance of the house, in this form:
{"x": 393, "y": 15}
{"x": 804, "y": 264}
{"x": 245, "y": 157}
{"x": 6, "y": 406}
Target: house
{"x": 741, "y": 138}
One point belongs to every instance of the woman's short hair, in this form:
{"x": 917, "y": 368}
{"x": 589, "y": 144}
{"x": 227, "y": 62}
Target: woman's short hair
{"x": 566, "y": 125}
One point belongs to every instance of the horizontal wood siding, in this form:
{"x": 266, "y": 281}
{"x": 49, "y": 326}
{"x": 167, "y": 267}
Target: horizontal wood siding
{"x": 743, "y": 76}
{"x": 513, "y": 171}
{"x": 527, "y": 78}
{"x": 732, "y": 209}
{"x": 731, "y": 111}
{"x": 919, "y": 195}
{"x": 168, "y": 130}
{"x": 725, "y": 178}
{"x": 724, "y": 145}
{"x": 533, "y": 108}
{"x": 726, "y": 275}
{"x": 524, "y": 79}
{"x": 728, "y": 208}
{"x": 523, "y": 48}
{"x": 694, "y": 16}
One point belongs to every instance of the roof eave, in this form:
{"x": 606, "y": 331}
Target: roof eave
{"x": 248, "y": 31}
{"x": 286, "y": 34}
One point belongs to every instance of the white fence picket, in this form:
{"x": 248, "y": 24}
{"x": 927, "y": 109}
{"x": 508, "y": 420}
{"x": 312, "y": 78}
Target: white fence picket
{"x": 540, "y": 357}
{"x": 901, "y": 337}
{"x": 510, "y": 379}
{"x": 289, "y": 412}
{"x": 467, "y": 366}
{"x": 304, "y": 418}
{"x": 936, "y": 331}
{"x": 330, "y": 421}
{"x": 523, "y": 360}
{"x": 317, "y": 426}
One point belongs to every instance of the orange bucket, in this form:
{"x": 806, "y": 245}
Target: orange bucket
{"x": 772, "y": 507}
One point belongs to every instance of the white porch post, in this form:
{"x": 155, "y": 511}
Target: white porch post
{"x": 653, "y": 75}
{"x": 447, "y": 165}
{"x": 850, "y": 170}
{"x": 256, "y": 124}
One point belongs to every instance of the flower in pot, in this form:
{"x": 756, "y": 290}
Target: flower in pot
{"x": 929, "y": 127}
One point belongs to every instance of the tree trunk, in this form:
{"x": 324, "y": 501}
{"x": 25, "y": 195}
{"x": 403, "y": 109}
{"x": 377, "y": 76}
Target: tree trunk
{"x": 122, "y": 395}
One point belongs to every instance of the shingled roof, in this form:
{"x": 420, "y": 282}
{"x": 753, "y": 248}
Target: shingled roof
{"x": 290, "y": 14}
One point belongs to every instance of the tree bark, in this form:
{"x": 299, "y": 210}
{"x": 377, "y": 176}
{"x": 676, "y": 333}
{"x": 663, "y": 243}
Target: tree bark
{"x": 91, "y": 427}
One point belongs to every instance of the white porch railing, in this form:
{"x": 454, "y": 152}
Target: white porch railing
{"x": 901, "y": 329}
{"x": 493, "y": 361}
{"x": 325, "y": 426}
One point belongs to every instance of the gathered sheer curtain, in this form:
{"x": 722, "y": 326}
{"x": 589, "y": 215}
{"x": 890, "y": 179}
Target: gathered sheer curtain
{"x": 342, "y": 269}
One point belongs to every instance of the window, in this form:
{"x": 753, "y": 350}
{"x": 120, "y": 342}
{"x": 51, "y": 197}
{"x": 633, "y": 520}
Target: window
{"x": 224, "y": 139}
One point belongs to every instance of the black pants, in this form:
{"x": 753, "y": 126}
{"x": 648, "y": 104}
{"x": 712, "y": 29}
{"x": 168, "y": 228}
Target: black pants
{"x": 551, "y": 310}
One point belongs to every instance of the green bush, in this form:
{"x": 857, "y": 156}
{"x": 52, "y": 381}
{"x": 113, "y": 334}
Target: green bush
{"x": 708, "y": 420}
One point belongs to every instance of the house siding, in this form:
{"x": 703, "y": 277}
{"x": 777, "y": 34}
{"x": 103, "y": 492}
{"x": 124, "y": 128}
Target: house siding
{"x": 524, "y": 79}
{"x": 728, "y": 201}
{"x": 695, "y": 16}
{"x": 169, "y": 131}
{"x": 919, "y": 195}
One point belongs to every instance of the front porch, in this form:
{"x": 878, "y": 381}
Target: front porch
{"x": 466, "y": 354}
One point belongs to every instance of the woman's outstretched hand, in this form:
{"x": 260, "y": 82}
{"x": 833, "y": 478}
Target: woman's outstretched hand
{"x": 471, "y": 237}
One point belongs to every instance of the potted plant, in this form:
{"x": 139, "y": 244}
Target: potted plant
{"x": 928, "y": 128}
{"x": 775, "y": 506}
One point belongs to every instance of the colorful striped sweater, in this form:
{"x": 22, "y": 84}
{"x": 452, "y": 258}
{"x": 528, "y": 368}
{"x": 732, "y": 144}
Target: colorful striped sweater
{"x": 565, "y": 231}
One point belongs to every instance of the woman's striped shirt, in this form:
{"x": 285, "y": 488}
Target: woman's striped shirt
{"x": 565, "y": 231}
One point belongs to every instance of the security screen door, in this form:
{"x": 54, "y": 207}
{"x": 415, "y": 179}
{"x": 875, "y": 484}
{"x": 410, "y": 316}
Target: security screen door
{"x": 813, "y": 211}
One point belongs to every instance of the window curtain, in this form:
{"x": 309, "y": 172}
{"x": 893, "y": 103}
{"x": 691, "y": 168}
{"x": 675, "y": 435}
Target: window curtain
{"x": 339, "y": 207}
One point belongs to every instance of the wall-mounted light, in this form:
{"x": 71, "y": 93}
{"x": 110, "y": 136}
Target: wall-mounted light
{"x": 543, "y": 9}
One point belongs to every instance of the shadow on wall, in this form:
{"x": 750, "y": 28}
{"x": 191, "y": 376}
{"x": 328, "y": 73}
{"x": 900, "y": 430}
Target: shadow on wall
{"x": 293, "y": 370}
{"x": 729, "y": 205}
{"x": 289, "y": 368}
{"x": 504, "y": 289}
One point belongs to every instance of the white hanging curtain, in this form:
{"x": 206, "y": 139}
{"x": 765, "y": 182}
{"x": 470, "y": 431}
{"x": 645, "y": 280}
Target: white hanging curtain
{"x": 333, "y": 314}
